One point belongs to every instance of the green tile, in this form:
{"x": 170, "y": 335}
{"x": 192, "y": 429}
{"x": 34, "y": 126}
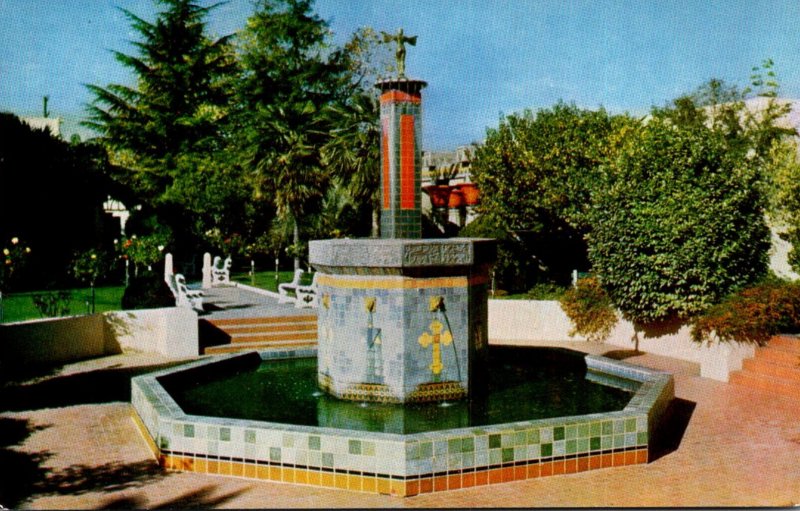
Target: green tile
{"x": 467, "y": 444}
{"x": 558, "y": 433}
{"x": 608, "y": 427}
{"x": 547, "y": 450}
{"x": 507, "y": 439}
{"x": 249, "y": 436}
{"x": 425, "y": 450}
{"x": 619, "y": 426}
{"x": 368, "y": 448}
{"x": 520, "y": 438}
{"x": 572, "y": 446}
{"x": 495, "y": 457}
{"x": 630, "y": 425}
{"x": 288, "y": 440}
{"x": 641, "y": 438}
{"x": 583, "y": 445}
{"x": 454, "y": 445}
{"x": 571, "y": 432}
{"x": 606, "y": 442}
{"x": 469, "y": 459}
{"x": 594, "y": 429}
{"x": 533, "y": 436}
{"x": 619, "y": 441}
{"x": 225, "y": 434}
{"x": 275, "y": 454}
{"x": 594, "y": 443}
{"x": 327, "y": 459}
{"x": 314, "y": 443}
{"x": 188, "y": 430}
{"x": 508, "y": 454}
{"x": 494, "y": 441}
{"x": 354, "y": 446}
{"x": 583, "y": 431}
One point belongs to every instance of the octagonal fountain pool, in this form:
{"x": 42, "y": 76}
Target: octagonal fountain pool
{"x": 543, "y": 412}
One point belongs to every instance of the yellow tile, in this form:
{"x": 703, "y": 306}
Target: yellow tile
{"x": 262, "y": 472}
{"x": 301, "y": 476}
{"x": 326, "y": 479}
{"x": 249, "y": 470}
{"x": 398, "y": 488}
{"x": 276, "y": 473}
{"x": 340, "y": 480}
{"x": 314, "y": 477}
{"x": 384, "y": 486}
{"x": 354, "y": 482}
{"x": 369, "y": 484}
{"x": 288, "y": 475}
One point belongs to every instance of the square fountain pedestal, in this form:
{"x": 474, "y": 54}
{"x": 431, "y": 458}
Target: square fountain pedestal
{"x": 401, "y": 320}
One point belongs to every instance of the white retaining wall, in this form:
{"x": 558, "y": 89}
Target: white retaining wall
{"x": 170, "y": 331}
{"x": 522, "y": 322}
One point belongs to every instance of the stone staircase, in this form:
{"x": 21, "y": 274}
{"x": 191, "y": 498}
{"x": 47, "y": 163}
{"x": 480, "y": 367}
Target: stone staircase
{"x": 247, "y": 334}
{"x": 775, "y": 368}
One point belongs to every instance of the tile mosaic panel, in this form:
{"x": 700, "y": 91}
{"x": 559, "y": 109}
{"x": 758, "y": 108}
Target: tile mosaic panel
{"x": 400, "y": 464}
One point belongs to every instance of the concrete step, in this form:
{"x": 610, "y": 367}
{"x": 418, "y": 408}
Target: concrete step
{"x": 767, "y": 383}
{"x": 778, "y": 354}
{"x": 258, "y": 346}
{"x": 772, "y": 368}
{"x": 223, "y": 322}
{"x": 786, "y": 343}
{"x": 273, "y": 336}
{"x": 269, "y": 328}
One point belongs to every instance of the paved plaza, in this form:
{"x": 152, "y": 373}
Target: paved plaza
{"x": 70, "y": 441}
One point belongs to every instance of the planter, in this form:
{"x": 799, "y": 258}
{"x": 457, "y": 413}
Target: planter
{"x": 456, "y": 199}
{"x": 439, "y": 195}
{"x": 472, "y": 195}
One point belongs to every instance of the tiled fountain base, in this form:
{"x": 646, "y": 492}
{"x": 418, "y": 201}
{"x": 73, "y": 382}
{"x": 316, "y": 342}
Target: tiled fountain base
{"x": 401, "y": 465}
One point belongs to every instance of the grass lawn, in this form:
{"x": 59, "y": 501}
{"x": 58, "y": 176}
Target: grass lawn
{"x": 20, "y": 307}
{"x": 266, "y": 279}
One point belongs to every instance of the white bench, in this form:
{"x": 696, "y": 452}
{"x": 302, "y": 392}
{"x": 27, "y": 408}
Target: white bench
{"x": 221, "y": 272}
{"x": 306, "y": 296}
{"x": 290, "y": 287}
{"x": 184, "y": 297}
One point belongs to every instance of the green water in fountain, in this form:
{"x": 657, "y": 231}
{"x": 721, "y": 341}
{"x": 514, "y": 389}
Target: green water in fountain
{"x": 520, "y": 384}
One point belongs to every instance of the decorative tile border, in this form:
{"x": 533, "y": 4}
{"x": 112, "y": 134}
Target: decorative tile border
{"x": 402, "y": 465}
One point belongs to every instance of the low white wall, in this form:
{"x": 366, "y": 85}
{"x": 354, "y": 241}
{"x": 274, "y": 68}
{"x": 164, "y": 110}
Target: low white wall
{"x": 535, "y": 321}
{"x": 52, "y": 340}
{"x": 170, "y": 331}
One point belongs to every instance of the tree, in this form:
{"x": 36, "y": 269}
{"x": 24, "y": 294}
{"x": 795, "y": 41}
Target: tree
{"x": 51, "y": 196}
{"x": 678, "y": 221}
{"x": 161, "y": 130}
{"x": 536, "y": 173}
{"x": 289, "y": 76}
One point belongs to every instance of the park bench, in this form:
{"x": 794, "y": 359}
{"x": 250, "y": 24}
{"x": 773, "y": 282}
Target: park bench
{"x": 184, "y": 297}
{"x": 286, "y": 288}
{"x": 306, "y": 296}
{"x": 221, "y": 271}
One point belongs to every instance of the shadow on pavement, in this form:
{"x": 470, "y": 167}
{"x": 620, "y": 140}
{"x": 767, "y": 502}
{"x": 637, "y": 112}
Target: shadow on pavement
{"x": 670, "y": 434}
{"x": 99, "y": 386}
{"x": 198, "y": 499}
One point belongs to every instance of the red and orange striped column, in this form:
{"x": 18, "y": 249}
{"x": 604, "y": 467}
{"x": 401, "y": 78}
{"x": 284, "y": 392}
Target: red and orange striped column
{"x": 401, "y": 156}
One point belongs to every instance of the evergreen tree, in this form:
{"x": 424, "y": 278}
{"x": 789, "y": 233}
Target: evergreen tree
{"x": 290, "y": 74}
{"x": 165, "y": 132}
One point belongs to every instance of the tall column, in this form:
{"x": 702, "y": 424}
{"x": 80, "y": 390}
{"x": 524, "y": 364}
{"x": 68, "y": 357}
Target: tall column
{"x": 401, "y": 157}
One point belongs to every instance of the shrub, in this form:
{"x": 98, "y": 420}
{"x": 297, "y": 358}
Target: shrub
{"x": 590, "y": 309}
{"x": 679, "y": 225}
{"x": 752, "y": 315}
{"x": 147, "y": 291}
{"x": 52, "y": 304}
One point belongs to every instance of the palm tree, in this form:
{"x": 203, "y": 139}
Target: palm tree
{"x": 353, "y": 151}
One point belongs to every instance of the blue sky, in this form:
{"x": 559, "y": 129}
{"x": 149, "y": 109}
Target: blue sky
{"x": 480, "y": 58}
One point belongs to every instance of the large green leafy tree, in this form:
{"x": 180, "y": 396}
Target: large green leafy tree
{"x": 164, "y": 131}
{"x": 290, "y": 74}
{"x": 536, "y": 173}
{"x": 678, "y": 222}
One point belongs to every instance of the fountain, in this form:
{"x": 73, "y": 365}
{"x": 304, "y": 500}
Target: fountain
{"x": 404, "y": 363}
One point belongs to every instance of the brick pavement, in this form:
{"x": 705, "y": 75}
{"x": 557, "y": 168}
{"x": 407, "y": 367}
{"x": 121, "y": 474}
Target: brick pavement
{"x": 740, "y": 447}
